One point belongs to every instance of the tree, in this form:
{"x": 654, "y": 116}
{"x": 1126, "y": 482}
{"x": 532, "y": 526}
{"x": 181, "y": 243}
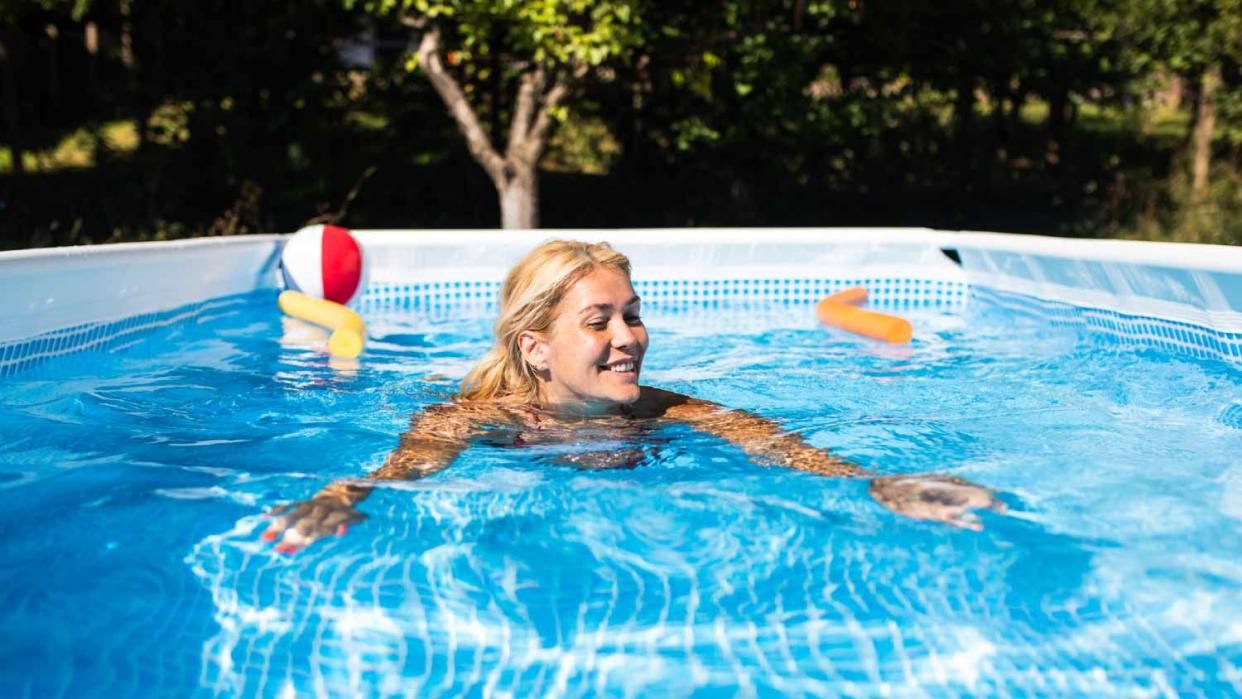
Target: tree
{"x": 722, "y": 95}
{"x": 12, "y": 49}
{"x": 1197, "y": 40}
{"x": 518, "y": 61}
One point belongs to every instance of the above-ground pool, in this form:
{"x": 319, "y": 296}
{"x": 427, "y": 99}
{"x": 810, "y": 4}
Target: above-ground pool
{"x": 138, "y": 455}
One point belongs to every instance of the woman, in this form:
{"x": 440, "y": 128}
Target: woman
{"x": 569, "y": 349}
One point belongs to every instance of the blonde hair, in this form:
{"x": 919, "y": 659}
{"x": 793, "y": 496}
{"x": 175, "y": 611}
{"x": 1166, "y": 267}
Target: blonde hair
{"x": 528, "y": 301}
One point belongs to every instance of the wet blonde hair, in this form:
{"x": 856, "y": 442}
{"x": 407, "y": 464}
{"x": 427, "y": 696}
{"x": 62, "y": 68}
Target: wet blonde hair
{"x": 528, "y": 300}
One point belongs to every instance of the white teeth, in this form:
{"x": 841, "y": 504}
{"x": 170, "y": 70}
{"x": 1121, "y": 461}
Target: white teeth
{"x": 623, "y": 366}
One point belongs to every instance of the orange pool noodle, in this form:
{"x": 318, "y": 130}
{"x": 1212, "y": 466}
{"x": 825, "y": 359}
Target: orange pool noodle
{"x": 838, "y": 310}
{"x": 855, "y": 296}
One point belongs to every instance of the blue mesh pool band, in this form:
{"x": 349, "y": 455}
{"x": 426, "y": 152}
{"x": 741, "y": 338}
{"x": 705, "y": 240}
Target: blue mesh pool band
{"x": 885, "y": 292}
{"x": 1197, "y": 285}
{"x": 1183, "y": 299}
{"x": 445, "y": 299}
{"x": 19, "y": 355}
{"x": 64, "y": 300}
{"x": 1182, "y": 339}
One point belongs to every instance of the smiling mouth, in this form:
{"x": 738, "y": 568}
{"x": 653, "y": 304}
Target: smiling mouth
{"x": 625, "y": 367}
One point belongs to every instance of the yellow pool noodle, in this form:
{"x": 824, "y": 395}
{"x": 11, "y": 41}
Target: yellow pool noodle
{"x": 347, "y": 327}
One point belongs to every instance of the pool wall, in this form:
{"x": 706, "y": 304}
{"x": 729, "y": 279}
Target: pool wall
{"x": 1180, "y": 298}
{"x": 442, "y": 272}
{"x": 56, "y": 301}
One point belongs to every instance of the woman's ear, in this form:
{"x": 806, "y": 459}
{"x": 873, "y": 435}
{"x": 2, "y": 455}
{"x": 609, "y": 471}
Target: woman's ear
{"x": 534, "y": 350}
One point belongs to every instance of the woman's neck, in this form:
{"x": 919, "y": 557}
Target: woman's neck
{"x": 580, "y": 408}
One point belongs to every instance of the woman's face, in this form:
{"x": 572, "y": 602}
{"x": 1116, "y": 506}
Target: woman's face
{"x": 591, "y": 357}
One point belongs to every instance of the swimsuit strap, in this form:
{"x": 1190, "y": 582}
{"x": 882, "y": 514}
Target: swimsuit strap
{"x": 532, "y": 411}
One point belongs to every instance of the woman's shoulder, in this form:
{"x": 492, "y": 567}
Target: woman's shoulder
{"x": 490, "y": 411}
{"x": 657, "y": 402}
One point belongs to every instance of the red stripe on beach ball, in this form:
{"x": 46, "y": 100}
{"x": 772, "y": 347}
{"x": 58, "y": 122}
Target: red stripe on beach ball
{"x": 341, "y": 262}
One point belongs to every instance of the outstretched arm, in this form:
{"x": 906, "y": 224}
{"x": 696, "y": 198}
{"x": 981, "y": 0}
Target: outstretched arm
{"x": 761, "y": 438}
{"x": 935, "y": 497}
{"x": 435, "y": 437}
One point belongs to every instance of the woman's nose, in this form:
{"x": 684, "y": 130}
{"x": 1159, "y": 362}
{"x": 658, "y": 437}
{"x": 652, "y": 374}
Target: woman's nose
{"x": 623, "y": 335}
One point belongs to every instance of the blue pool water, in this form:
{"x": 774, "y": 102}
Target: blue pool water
{"x": 133, "y": 485}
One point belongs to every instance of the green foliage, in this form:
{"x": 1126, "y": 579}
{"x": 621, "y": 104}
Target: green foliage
{"x": 1183, "y": 36}
{"x": 582, "y": 145}
{"x": 737, "y": 72}
{"x": 1172, "y": 213}
{"x": 14, "y": 10}
{"x": 1035, "y": 115}
{"x": 553, "y": 33}
{"x": 1186, "y": 38}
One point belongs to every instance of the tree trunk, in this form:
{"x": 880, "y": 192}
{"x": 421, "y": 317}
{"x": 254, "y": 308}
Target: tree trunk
{"x": 90, "y": 40}
{"x": 1057, "y": 103}
{"x": 519, "y": 200}
{"x": 963, "y": 118}
{"x": 1205, "y": 123}
{"x": 8, "y": 84}
{"x": 494, "y": 88}
{"x": 1000, "y": 117}
{"x": 53, "y": 64}
{"x": 127, "y": 38}
{"x": 964, "y": 110}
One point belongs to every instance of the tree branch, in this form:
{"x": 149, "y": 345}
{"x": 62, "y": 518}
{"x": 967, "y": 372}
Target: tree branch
{"x": 450, "y": 92}
{"x": 529, "y": 92}
{"x": 543, "y": 121}
{"x": 552, "y": 100}
{"x": 411, "y": 21}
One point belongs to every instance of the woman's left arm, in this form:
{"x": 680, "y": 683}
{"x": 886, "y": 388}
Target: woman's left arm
{"x": 761, "y": 438}
{"x": 934, "y": 497}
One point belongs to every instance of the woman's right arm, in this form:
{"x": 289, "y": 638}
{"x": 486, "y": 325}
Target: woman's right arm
{"x": 435, "y": 437}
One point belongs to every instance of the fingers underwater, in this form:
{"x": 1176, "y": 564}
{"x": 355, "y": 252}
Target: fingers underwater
{"x": 966, "y": 520}
{"x": 308, "y": 521}
{"x": 938, "y": 498}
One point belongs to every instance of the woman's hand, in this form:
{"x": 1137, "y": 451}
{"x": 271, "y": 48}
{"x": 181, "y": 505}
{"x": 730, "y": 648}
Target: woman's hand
{"x": 935, "y": 497}
{"x": 298, "y": 524}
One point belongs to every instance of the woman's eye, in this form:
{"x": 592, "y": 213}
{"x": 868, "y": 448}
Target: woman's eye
{"x": 597, "y": 325}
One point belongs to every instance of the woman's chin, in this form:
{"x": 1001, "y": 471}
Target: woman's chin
{"x": 627, "y": 395}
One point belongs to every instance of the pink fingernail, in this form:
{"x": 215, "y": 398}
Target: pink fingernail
{"x": 340, "y": 530}
{"x": 269, "y": 536}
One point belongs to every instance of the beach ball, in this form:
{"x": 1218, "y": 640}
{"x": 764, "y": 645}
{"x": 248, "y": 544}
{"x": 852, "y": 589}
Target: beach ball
{"x": 325, "y": 262}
